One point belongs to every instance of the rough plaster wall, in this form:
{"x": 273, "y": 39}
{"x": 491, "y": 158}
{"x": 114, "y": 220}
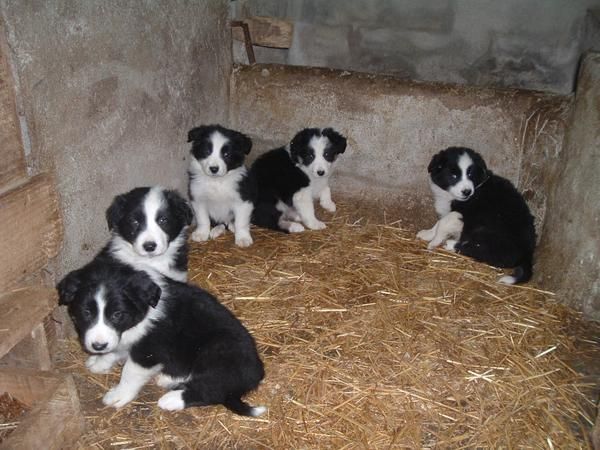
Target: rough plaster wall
{"x": 532, "y": 44}
{"x": 109, "y": 90}
{"x": 569, "y": 254}
{"x": 393, "y": 126}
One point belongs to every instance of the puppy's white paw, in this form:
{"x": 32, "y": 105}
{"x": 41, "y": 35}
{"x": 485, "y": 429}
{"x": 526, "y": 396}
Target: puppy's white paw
{"x": 507, "y": 279}
{"x": 216, "y": 231}
{"x": 425, "y": 235}
{"x": 100, "y": 363}
{"x": 200, "y": 235}
{"x": 451, "y": 245}
{"x": 244, "y": 240}
{"x": 295, "y": 227}
{"x": 118, "y": 396}
{"x": 433, "y": 244}
{"x": 172, "y": 401}
{"x": 316, "y": 225}
{"x": 329, "y": 206}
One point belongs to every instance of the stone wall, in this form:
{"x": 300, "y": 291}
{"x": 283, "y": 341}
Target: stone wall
{"x": 107, "y": 91}
{"x": 531, "y": 44}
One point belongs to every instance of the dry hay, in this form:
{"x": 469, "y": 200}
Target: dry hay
{"x": 371, "y": 341}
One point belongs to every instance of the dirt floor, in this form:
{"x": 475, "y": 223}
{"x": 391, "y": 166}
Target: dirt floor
{"x": 371, "y": 341}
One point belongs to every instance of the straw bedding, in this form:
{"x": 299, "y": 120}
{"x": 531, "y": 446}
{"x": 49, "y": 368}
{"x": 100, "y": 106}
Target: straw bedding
{"x": 371, "y": 341}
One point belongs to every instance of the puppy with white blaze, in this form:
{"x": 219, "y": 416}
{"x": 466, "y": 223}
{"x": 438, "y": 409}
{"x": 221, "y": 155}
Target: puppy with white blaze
{"x": 221, "y": 193}
{"x": 482, "y": 215}
{"x": 290, "y": 178}
{"x": 174, "y": 332}
{"x": 149, "y": 227}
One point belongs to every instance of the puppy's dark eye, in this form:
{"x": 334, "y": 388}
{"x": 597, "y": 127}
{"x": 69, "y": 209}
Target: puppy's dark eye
{"x": 162, "y": 220}
{"x": 134, "y": 222}
{"x": 454, "y": 176}
{"x": 308, "y": 159}
{"x": 87, "y": 313}
{"x": 225, "y": 152}
{"x": 117, "y": 316}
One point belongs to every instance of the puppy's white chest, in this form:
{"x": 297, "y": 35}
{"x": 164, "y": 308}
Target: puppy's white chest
{"x": 442, "y": 199}
{"x": 218, "y": 194}
{"x": 317, "y": 185}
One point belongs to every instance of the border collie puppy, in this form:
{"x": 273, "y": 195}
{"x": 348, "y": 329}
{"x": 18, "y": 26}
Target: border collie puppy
{"x": 149, "y": 231}
{"x": 290, "y": 178}
{"x": 482, "y": 215}
{"x": 194, "y": 346}
{"x": 221, "y": 193}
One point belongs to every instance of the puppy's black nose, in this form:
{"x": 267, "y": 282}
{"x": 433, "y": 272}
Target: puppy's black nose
{"x": 466, "y": 192}
{"x": 149, "y": 246}
{"x": 320, "y": 172}
{"x": 99, "y": 346}
{"x": 213, "y": 169}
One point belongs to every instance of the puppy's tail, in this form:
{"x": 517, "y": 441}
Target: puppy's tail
{"x": 242, "y": 408}
{"x": 521, "y": 274}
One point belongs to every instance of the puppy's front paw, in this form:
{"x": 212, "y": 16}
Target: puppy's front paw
{"x": 172, "y": 401}
{"x": 425, "y": 235}
{"x": 200, "y": 235}
{"x": 216, "y": 231}
{"x": 99, "y": 363}
{"x": 316, "y": 225}
{"x": 451, "y": 245}
{"x": 118, "y": 396}
{"x": 295, "y": 227}
{"x": 244, "y": 240}
{"x": 329, "y": 206}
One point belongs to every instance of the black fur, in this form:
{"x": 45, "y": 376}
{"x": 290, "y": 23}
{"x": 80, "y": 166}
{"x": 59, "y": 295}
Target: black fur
{"x": 498, "y": 226}
{"x": 195, "y": 338}
{"x": 278, "y": 175}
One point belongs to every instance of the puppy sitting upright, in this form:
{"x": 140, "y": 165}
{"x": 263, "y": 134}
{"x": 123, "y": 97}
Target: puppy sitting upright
{"x": 196, "y": 347}
{"x": 149, "y": 231}
{"x": 482, "y": 215}
{"x": 290, "y": 178}
{"x": 221, "y": 193}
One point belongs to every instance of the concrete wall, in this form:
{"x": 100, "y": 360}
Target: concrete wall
{"x": 394, "y": 127}
{"x": 532, "y": 44}
{"x": 107, "y": 92}
{"x": 569, "y": 254}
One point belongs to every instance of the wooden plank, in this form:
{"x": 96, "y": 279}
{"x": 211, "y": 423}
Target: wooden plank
{"x": 55, "y": 421}
{"x": 21, "y": 311}
{"x": 31, "y": 229}
{"x": 267, "y": 32}
{"x": 12, "y": 166}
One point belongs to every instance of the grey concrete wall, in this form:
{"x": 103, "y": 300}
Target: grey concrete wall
{"x": 569, "y": 254}
{"x": 107, "y": 92}
{"x": 394, "y": 127}
{"x": 532, "y": 44}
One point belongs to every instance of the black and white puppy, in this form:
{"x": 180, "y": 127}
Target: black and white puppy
{"x": 149, "y": 227}
{"x": 194, "y": 346}
{"x": 220, "y": 191}
{"x": 290, "y": 178}
{"x": 482, "y": 215}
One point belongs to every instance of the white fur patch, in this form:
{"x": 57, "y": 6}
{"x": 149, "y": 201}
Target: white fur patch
{"x": 449, "y": 226}
{"x": 464, "y": 188}
{"x": 133, "y": 378}
{"x": 153, "y": 233}
{"x": 104, "y": 363}
{"x": 172, "y": 401}
{"x": 101, "y": 334}
{"x": 214, "y": 160}
{"x": 507, "y": 279}
{"x": 258, "y": 410}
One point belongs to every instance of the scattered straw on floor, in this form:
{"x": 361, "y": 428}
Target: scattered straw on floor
{"x": 371, "y": 341}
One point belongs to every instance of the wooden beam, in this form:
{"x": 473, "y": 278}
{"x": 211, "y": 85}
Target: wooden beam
{"x": 22, "y": 312}
{"x": 31, "y": 230}
{"x": 267, "y": 32}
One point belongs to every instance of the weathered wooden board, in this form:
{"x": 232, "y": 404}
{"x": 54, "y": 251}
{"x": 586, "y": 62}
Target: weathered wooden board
{"x": 22, "y": 315}
{"x": 55, "y": 420}
{"x": 12, "y": 159}
{"x": 267, "y": 32}
{"x": 31, "y": 229}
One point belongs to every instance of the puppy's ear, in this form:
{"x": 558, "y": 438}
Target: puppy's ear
{"x": 116, "y": 211}
{"x": 437, "y": 162}
{"x": 337, "y": 140}
{"x": 67, "y": 287}
{"x": 142, "y": 291}
{"x": 299, "y": 143}
{"x": 243, "y": 142}
{"x": 479, "y": 162}
{"x": 198, "y": 133}
{"x": 180, "y": 205}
